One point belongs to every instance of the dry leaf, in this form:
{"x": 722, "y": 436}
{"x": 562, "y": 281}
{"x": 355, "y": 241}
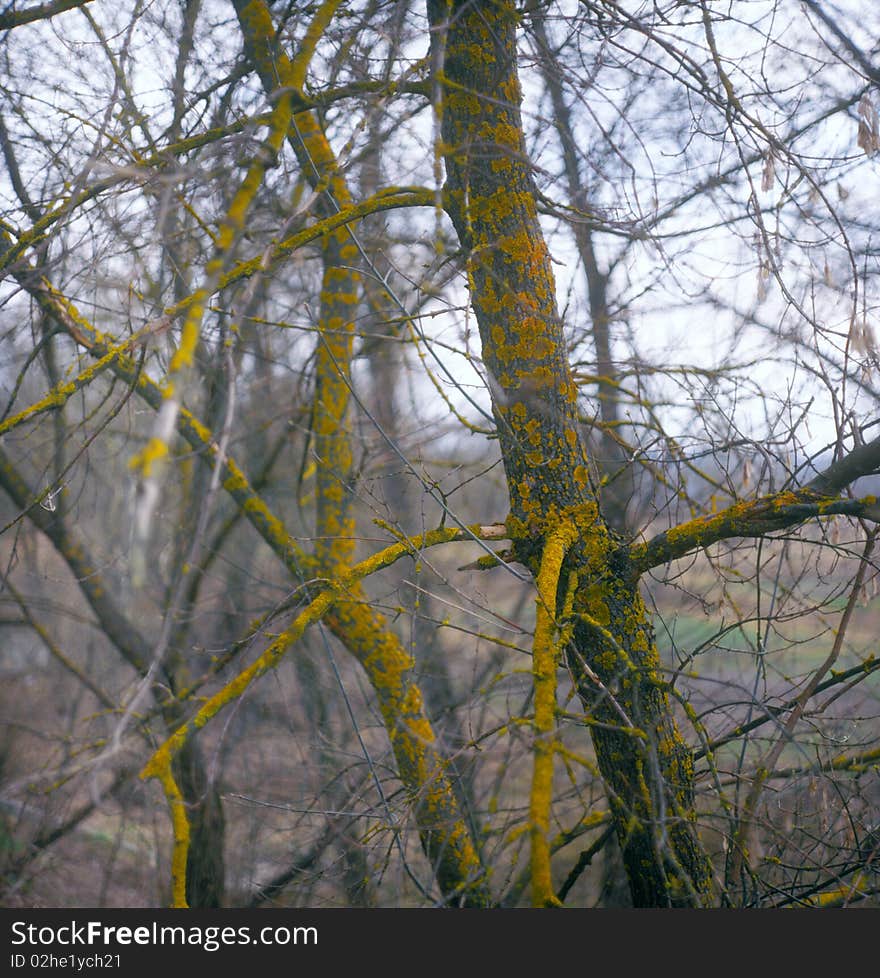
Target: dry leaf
{"x": 762, "y": 288}
{"x": 869, "y": 126}
{"x": 769, "y": 174}
{"x": 863, "y": 341}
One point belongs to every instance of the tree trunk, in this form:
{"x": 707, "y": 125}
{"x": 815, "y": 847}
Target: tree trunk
{"x": 205, "y": 865}
{"x": 490, "y": 197}
{"x": 446, "y": 837}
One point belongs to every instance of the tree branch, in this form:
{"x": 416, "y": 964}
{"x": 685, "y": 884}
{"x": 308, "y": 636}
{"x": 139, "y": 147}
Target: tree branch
{"x": 777, "y": 511}
{"x": 43, "y": 11}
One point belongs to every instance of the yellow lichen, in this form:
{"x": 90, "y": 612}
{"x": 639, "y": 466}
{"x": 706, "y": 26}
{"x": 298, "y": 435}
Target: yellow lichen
{"x": 544, "y": 664}
{"x": 149, "y": 457}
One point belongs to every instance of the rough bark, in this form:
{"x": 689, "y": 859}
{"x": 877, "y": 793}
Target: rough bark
{"x": 490, "y": 197}
{"x": 205, "y": 864}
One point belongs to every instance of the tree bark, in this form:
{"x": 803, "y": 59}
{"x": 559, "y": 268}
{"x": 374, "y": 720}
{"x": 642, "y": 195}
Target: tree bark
{"x": 490, "y": 197}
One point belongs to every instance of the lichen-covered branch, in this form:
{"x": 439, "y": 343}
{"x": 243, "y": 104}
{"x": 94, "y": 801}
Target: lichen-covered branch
{"x": 149, "y": 463}
{"x": 444, "y": 833}
{"x": 750, "y": 518}
{"x": 616, "y": 460}
{"x": 364, "y": 632}
{"x": 545, "y": 661}
{"x": 400, "y": 699}
{"x": 490, "y": 196}
{"x": 63, "y": 391}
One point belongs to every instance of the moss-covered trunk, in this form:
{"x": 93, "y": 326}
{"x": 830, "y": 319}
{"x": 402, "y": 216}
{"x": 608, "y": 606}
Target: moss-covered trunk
{"x": 490, "y": 197}
{"x": 205, "y": 865}
{"x": 444, "y": 833}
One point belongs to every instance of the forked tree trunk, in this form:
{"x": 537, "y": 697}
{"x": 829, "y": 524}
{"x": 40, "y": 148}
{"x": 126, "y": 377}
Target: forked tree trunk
{"x": 490, "y": 197}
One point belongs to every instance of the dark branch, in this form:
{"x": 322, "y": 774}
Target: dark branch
{"x": 861, "y": 461}
{"x": 43, "y": 11}
{"x": 852, "y": 48}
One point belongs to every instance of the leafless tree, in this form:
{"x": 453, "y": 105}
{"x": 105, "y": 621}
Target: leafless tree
{"x": 438, "y": 453}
